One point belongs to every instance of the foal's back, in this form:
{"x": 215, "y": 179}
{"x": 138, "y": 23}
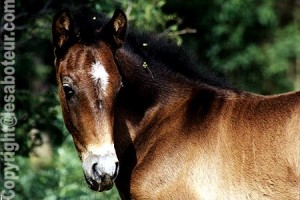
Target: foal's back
{"x": 252, "y": 147}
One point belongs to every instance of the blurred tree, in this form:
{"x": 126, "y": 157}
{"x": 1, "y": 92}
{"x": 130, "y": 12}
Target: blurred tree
{"x": 254, "y": 43}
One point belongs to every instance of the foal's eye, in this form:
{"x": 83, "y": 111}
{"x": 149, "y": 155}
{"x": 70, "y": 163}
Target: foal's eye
{"x": 69, "y": 92}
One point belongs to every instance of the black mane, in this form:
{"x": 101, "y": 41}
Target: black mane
{"x": 152, "y": 49}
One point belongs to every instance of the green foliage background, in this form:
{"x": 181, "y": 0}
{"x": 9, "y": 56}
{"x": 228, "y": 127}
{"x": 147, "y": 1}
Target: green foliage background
{"x": 254, "y": 43}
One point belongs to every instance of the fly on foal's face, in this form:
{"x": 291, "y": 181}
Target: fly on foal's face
{"x": 88, "y": 82}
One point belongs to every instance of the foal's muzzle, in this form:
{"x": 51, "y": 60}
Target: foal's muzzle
{"x": 100, "y": 171}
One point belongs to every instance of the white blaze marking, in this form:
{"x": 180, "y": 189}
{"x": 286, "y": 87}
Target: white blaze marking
{"x": 99, "y": 73}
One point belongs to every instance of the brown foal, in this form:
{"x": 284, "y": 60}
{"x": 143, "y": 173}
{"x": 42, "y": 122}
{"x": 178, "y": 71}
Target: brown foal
{"x": 142, "y": 118}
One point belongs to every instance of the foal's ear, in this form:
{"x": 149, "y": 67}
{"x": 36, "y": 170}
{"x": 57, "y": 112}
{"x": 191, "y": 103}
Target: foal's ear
{"x": 62, "y": 30}
{"x": 115, "y": 30}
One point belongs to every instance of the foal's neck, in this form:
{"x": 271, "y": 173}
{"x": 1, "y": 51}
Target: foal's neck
{"x": 151, "y": 93}
{"x": 148, "y": 95}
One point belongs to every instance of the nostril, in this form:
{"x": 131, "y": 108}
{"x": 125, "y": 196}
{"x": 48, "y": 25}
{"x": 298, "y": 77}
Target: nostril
{"x": 117, "y": 169}
{"x": 94, "y": 168}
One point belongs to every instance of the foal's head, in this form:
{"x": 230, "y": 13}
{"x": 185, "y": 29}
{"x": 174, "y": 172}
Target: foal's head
{"x": 88, "y": 82}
